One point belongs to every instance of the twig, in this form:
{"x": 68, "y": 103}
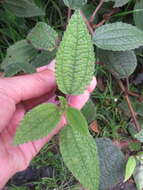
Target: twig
{"x": 69, "y": 15}
{"x": 96, "y": 10}
{"x": 135, "y": 95}
{"x": 129, "y": 105}
{"x": 87, "y": 23}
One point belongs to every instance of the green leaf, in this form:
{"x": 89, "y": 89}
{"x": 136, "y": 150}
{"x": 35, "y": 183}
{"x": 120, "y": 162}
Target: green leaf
{"x": 79, "y": 153}
{"x": 121, "y": 64}
{"x": 118, "y": 37}
{"x": 76, "y": 120}
{"x": 89, "y": 111}
{"x": 75, "y": 58}
{"x": 23, "y": 8}
{"x": 118, "y": 3}
{"x": 139, "y": 135}
{"x": 138, "y": 176}
{"x": 130, "y": 167}
{"x": 37, "y": 123}
{"x": 111, "y": 173}
{"x": 138, "y": 16}
{"x": 18, "y": 58}
{"x": 43, "y": 37}
{"x": 74, "y": 4}
{"x": 43, "y": 58}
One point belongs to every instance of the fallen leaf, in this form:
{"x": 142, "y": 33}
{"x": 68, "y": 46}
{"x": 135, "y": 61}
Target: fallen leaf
{"x": 94, "y": 126}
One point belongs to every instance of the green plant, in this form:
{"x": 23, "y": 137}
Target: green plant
{"x": 114, "y": 45}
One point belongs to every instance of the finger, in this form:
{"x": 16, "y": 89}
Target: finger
{"x": 25, "y": 87}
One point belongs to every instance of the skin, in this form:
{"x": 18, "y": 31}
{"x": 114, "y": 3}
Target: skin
{"x": 18, "y": 95}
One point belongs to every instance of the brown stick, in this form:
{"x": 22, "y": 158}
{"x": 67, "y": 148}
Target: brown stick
{"x": 129, "y": 105}
{"x": 140, "y": 98}
{"x": 96, "y": 10}
{"x": 87, "y": 23}
{"x": 69, "y": 15}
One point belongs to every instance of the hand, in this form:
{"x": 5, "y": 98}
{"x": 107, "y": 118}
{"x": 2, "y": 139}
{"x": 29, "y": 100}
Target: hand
{"x": 18, "y": 95}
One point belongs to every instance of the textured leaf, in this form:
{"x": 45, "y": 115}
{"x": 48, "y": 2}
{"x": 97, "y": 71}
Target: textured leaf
{"x": 37, "y": 123}
{"x": 139, "y": 135}
{"x": 118, "y": 37}
{"x": 75, "y": 58}
{"x": 76, "y": 120}
{"x": 118, "y": 3}
{"x": 130, "y": 167}
{"x": 138, "y": 16}
{"x": 121, "y": 64}
{"x": 112, "y": 163}
{"x": 43, "y": 58}
{"x": 18, "y": 57}
{"x": 43, "y": 37}
{"x": 74, "y": 4}
{"x": 23, "y": 8}
{"x": 89, "y": 111}
{"x": 138, "y": 174}
{"x": 79, "y": 153}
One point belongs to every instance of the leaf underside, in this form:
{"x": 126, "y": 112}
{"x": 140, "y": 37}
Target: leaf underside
{"x": 43, "y": 37}
{"x": 75, "y": 4}
{"x": 37, "y": 123}
{"x": 121, "y": 63}
{"x": 79, "y": 153}
{"x": 138, "y": 16}
{"x": 75, "y": 58}
{"x": 118, "y": 37}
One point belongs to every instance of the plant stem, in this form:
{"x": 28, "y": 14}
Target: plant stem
{"x": 96, "y": 10}
{"x": 69, "y": 15}
{"x": 87, "y": 23}
{"x": 129, "y": 105}
{"x": 135, "y": 95}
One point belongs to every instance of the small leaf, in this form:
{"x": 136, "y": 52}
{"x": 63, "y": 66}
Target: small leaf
{"x": 37, "y": 123}
{"x": 138, "y": 16}
{"x": 23, "y": 8}
{"x": 118, "y": 37}
{"x": 18, "y": 58}
{"x": 79, "y": 153}
{"x": 138, "y": 175}
{"x": 130, "y": 167}
{"x": 121, "y": 64}
{"x": 76, "y": 120}
{"x": 118, "y": 3}
{"x": 75, "y": 58}
{"x": 43, "y": 37}
{"x": 74, "y": 4}
{"x": 139, "y": 135}
{"x": 112, "y": 163}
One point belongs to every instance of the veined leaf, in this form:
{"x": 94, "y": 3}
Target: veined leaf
{"x": 43, "y": 37}
{"x": 76, "y": 120}
{"x": 118, "y": 3}
{"x": 139, "y": 135}
{"x": 74, "y": 4}
{"x": 121, "y": 64}
{"x": 37, "y": 123}
{"x": 138, "y": 176}
{"x": 79, "y": 153}
{"x": 75, "y": 58}
{"x": 18, "y": 58}
{"x": 138, "y": 16}
{"x": 23, "y": 8}
{"x": 130, "y": 167}
{"x": 118, "y": 37}
{"x": 111, "y": 173}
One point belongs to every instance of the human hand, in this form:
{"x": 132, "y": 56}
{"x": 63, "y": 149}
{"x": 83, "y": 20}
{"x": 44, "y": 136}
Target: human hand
{"x": 18, "y": 95}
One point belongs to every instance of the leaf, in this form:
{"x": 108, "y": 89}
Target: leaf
{"x": 118, "y": 3}
{"x": 43, "y": 37}
{"x": 37, "y": 123}
{"x": 138, "y": 15}
{"x": 94, "y": 127}
{"x": 23, "y": 8}
{"x": 130, "y": 167}
{"x": 79, "y": 153}
{"x": 76, "y": 120}
{"x": 43, "y": 58}
{"x": 139, "y": 135}
{"x": 112, "y": 163}
{"x": 138, "y": 176}
{"x": 118, "y": 37}
{"x": 75, "y": 58}
{"x": 18, "y": 58}
{"x": 121, "y": 64}
{"x": 74, "y": 4}
{"x": 89, "y": 111}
